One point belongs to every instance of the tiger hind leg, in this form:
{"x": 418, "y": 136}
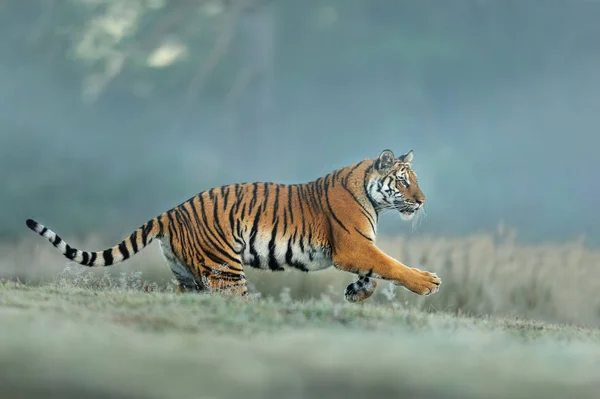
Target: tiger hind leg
{"x": 206, "y": 275}
{"x": 225, "y": 279}
{"x": 360, "y": 290}
{"x": 186, "y": 281}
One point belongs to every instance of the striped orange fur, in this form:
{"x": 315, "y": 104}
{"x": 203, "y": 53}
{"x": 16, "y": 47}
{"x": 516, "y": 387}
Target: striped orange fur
{"x": 210, "y": 238}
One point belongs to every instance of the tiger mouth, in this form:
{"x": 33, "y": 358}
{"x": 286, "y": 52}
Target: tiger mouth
{"x": 407, "y": 211}
{"x": 407, "y": 214}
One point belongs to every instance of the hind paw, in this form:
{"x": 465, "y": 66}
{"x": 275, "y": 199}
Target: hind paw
{"x": 360, "y": 290}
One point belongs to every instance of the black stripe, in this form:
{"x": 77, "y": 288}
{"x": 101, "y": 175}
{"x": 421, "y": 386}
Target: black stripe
{"x": 253, "y": 232}
{"x": 178, "y": 231}
{"x": 225, "y": 192}
{"x": 350, "y": 172}
{"x": 233, "y": 229}
{"x": 265, "y": 201}
{"x": 85, "y": 258}
{"x": 93, "y": 259}
{"x": 108, "y": 258}
{"x": 359, "y": 232}
{"x": 210, "y": 236}
{"x": 368, "y": 217}
{"x": 124, "y": 250}
{"x": 365, "y": 211}
{"x": 254, "y": 196}
{"x": 307, "y": 194}
{"x": 300, "y": 199}
{"x": 179, "y": 227}
{"x": 312, "y": 199}
{"x": 57, "y": 240}
{"x": 133, "y": 239}
{"x": 238, "y": 196}
{"x": 238, "y": 230}
{"x": 146, "y": 230}
{"x": 70, "y": 252}
{"x": 193, "y": 229}
{"x": 203, "y": 222}
{"x": 285, "y": 222}
{"x": 226, "y": 275}
{"x": 231, "y": 220}
{"x": 161, "y": 227}
{"x": 215, "y": 258}
{"x": 273, "y": 263}
{"x": 334, "y": 215}
{"x": 333, "y": 177}
{"x": 243, "y": 215}
{"x": 331, "y": 239}
{"x": 276, "y": 204}
{"x": 318, "y": 186}
{"x": 288, "y": 259}
{"x": 207, "y": 235}
{"x": 373, "y": 204}
{"x": 44, "y": 230}
{"x": 218, "y": 227}
{"x": 197, "y": 218}
{"x": 290, "y": 207}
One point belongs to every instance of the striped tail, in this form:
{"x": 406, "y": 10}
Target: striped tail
{"x": 139, "y": 239}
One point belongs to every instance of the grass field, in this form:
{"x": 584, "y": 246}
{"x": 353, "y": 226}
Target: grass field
{"x": 484, "y": 274}
{"x": 510, "y": 321}
{"x": 62, "y": 341}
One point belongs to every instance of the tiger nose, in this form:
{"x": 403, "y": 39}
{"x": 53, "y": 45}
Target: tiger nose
{"x": 420, "y": 201}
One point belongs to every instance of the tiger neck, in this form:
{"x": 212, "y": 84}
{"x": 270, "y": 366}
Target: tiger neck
{"x": 357, "y": 184}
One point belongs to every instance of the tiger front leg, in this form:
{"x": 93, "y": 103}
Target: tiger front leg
{"x": 370, "y": 261}
{"x": 360, "y": 290}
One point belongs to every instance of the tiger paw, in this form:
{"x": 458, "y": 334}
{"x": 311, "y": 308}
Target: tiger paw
{"x": 423, "y": 282}
{"x": 360, "y": 290}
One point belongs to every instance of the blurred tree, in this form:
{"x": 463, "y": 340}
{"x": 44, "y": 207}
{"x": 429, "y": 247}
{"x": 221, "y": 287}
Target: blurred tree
{"x": 250, "y": 101}
{"x": 248, "y": 79}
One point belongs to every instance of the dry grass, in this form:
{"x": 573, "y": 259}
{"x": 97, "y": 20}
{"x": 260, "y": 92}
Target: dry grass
{"x": 121, "y": 332}
{"x": 70, "y": 342}
{"x": 484, "y": 274}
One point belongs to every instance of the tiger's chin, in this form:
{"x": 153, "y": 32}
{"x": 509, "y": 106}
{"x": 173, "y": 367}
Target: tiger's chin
{"x": 408, "y": 214}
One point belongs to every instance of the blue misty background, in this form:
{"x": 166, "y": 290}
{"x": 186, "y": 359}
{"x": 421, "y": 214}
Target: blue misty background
{"x": 112, "y": 112}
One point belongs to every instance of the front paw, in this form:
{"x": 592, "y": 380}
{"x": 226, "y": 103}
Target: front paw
{"x": 424, "y": 283}
{"x": 360, "y": 290}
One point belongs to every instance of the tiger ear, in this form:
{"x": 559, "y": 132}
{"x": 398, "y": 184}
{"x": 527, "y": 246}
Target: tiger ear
{"x": 385, "y": 160}
{"x": 408, "y": 157}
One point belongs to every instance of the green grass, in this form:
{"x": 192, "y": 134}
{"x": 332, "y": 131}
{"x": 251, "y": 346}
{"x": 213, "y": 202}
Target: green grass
{"x": 69, "y": 342}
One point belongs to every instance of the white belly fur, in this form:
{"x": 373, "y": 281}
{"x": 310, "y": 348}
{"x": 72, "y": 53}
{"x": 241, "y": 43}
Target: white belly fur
{"x": 178, "y": 269}
{"x": 313, "y": 258}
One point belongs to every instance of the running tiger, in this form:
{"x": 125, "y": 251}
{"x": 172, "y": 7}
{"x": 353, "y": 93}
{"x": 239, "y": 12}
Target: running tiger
{"x": 208, "y": 239}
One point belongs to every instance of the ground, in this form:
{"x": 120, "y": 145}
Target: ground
{"x": 71, "y": 342}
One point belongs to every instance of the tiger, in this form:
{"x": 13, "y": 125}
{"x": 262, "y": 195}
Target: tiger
{"x": 208, "y": 240}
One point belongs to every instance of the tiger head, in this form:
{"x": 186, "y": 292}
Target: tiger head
{"x": 393, "y": 184}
